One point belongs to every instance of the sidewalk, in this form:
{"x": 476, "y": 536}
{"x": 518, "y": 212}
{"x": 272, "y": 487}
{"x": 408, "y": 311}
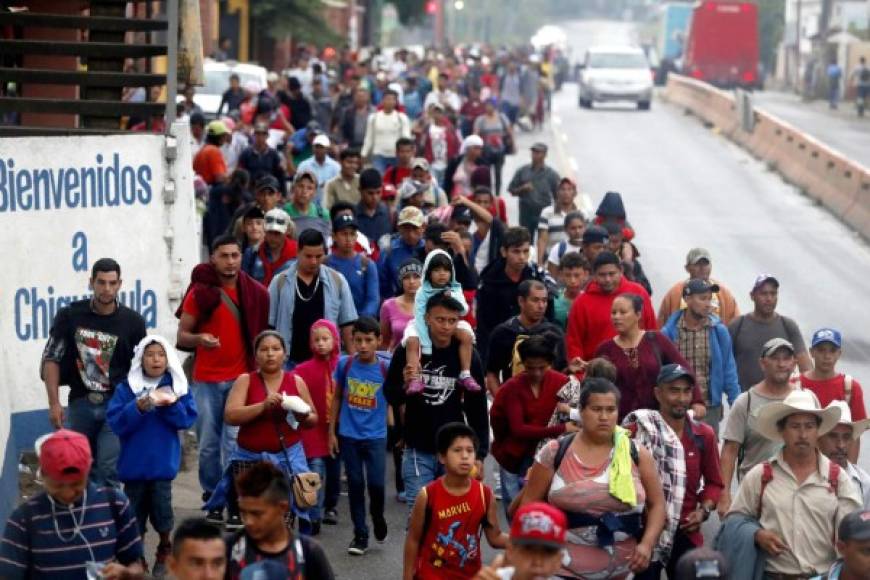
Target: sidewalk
{"x": 840, "y": 129}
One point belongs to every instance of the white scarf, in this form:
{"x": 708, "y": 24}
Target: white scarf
{"x": 139, "y": 383}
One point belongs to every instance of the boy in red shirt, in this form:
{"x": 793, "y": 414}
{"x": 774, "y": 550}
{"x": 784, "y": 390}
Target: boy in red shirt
{"x": 829, "y": 385}
{"x": 443, "y": 540}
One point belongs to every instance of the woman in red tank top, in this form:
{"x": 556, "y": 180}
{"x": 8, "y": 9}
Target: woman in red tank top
{"x": 267, "y": 431}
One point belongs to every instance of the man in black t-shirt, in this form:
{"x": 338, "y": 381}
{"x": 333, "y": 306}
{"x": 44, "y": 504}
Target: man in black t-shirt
{"x": 266, "y": 544}
{"x": 532, "y": 297}
{"x": 441, "y": 402}
{"x": 90, "y": 347}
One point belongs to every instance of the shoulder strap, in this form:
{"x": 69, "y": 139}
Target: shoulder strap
{"x": 383, "y": 366}
{"x": 427, "y": 518}
{"x": 739, "y": 327}
{"x": 847, "y": 388}
{"x": 347, "y": 364}
{"x": 563, "y": 247}
{"x": 650, "y": 335}
{"x": 486, "y": 498}
{"x": 299, "y": 549}
{"x": 336, "y": 278}
{"x": 766, "y": 478}
{"x": 635, "y": 454}
{"x": 231, "y": 306}
{"x": 564, "y": 443}
{"x": 834, "y": 478}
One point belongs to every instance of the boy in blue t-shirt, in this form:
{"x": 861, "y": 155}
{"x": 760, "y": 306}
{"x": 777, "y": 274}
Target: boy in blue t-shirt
{"x": 359, "y": 410}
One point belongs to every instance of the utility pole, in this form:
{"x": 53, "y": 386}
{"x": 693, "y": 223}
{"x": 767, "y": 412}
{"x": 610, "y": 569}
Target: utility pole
{"x": 797, "y": 48}
{"x": 439, "y": 23}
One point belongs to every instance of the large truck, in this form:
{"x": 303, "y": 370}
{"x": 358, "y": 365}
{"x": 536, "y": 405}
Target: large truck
{"x": 722, "y": 44}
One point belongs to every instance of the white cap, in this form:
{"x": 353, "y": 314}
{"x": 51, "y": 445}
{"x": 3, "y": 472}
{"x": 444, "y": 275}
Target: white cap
{"x": 321, "y": 140}
{"x": 277, "y": 220}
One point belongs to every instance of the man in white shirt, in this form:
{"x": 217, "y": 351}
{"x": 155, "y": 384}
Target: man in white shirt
{"x": 384, "y": 128}
{"x": 836, "y": 443}
{"x": 324, "y": 167}
{"x": 443, "y": 94}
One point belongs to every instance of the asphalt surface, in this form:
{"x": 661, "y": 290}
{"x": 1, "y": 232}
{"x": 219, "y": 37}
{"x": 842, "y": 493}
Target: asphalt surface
{"x": 684, "y": 186}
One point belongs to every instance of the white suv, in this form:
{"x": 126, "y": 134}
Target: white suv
{"x": 619, "y": 73}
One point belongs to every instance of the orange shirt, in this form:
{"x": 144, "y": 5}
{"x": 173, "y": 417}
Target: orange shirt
{"x": 209, "y": 163}
{"x": 228, "y": 361}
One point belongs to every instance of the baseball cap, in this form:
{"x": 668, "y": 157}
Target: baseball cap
{"x": 702, "y": 563}
{"x": 321, "y": 141}
{"x": 65, "y": 456}
{"x": 773, "y": 345}
{"x": 762, "y": 279}
{"x": 698, "y": 286}
{"x": 542, "y": 147}
{"x": 827, "y": 335}
{"x": 420, "y": 163}
{"x": 410, "y": 188}
{"x": 855, "y": 526}
{"x": 267, "y": 182}
{"x": 539, "y": 524}
{"x": 437, "y": 105}
{"x": 410, "y": 266}
{"x": 595, "y": 235}
{"x": 671, "y": 372}
{"x": 261, "y": 128}
{"x": 461, "y": 214}
{"x": 344, "y": 222}
{"x": 695, "y": 255}
{"x": 277, "y": 220}
{"x": 305, "y": 173}
{"x": 411, "y": 215}
{"x": 217, "y": 127}
{"x": 370, "y": 179}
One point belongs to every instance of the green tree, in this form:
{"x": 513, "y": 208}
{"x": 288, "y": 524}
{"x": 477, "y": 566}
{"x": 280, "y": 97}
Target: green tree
{"x": 771, "y": 23}
{"x": 410, "y": 11}
{"x": 300, "y": 19}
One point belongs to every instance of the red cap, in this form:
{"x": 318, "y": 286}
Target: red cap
{"x": 539, "y": 524}
{"x": 65, "y": 456}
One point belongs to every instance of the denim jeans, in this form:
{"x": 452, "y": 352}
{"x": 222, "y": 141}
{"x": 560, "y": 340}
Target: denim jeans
{"x": 381, "y": 163}
{"x": 216, "y": 440}
{"x": 89, "y": 419}
{"x": 512, "y": 483}
{"x": 418, "y": 470}
{"x": 151, "y": 499}
{"x": 371, "y": 455}
{"x": 329, "y": 470}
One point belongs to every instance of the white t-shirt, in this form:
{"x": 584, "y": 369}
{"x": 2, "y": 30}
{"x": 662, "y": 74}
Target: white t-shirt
{"x": 438, "y": 139}
{"x": 554, "y": 257}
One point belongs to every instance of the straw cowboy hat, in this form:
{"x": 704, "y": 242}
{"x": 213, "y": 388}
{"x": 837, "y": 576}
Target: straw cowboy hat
{"x": 858, "y": 427}
{"x": 798, "y": 401}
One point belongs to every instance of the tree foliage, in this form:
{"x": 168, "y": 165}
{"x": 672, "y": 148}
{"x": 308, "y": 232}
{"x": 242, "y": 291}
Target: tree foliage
{"x": 301, "y": 19}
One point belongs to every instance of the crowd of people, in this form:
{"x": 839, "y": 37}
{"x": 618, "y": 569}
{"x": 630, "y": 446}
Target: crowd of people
{"x": 365, "y": 298}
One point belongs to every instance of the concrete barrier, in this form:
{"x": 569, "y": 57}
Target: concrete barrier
{"x": 840, "y": 184}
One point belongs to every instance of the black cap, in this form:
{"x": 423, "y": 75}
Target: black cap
{"x": 344, "y": 222}
{"x": 855, "y": 526}
{"x": 267, "y": 182}
{"x": 595, "y": 235}
{"x": 370, "y": 179}
{"x": 671, "y": 372}
{"x": 698, "y": 286}
{"x": 254, "y": 213}
{"x": 197, "y": 119}
{"x": 461, "y": 214}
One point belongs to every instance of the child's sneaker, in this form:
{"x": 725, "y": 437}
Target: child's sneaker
{"x": 417, "y": 386}
{"x": 358, "y": 546}
{"x": 469, "y": 384}
{"x": 159, "y": 570}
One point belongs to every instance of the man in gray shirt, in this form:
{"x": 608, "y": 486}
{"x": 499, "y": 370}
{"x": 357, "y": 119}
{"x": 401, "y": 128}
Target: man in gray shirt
{"x": 750, "y": 331}
{"x": 535, "y": 184}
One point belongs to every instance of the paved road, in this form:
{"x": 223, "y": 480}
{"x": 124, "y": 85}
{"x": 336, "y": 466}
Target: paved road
{"x": 841, "y": 129}
{"x": 683, "y": 186}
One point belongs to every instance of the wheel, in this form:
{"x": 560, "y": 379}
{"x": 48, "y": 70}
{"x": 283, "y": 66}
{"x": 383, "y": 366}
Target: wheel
{"x": 643, "y": 105}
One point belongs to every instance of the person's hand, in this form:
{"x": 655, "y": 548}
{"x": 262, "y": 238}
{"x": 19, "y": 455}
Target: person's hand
{"x": 478, "y": 470}
{"x": 577, "y": 365}
{"x": 209, "y": 341}
{"x": 770, "y": 542}
{"x": 400, "y": 444}
{"x": 117, "y": 571}
{"x": 144, "y": 405}
{"x": 55, "y": 414}
{"x": 640, "y": 558}
{"x": 693, "y": 521}
{"x": 563, "y": 408}
{"x": 333, "y": 445}
{"x": 273, "y": 401}
{"x": 454, "y": 240}
{"x": 410, "y": 373}
{"x": 571, "y": 427}
{"x": 724, "y": 504}
{"x": 491, "y": 572}
{"x": 459, "y": 200}
{"x": 699, "y": 410}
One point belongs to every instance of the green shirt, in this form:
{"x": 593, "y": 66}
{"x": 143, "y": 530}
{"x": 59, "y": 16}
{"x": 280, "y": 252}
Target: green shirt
{"x": 314, "y": 210}
{"x": 561, "y": 308}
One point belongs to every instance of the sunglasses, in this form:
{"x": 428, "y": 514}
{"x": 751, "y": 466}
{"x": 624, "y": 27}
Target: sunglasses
{"x": 274, "y": 220}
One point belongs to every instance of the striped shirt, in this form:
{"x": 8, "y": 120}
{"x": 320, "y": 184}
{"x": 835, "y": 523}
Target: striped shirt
{"x": 553, "y": 221}
{"x": 32, "y": 548}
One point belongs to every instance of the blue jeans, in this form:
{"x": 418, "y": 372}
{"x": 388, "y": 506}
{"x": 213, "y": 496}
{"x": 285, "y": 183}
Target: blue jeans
{"x": 151, "y": 499}
{"x": 381, "y": 163}
{"x": 510, "y": 111}
{"x": 371, "y": 455}
{"x": 89, "y": 419}
{"x": 418, "y": 470}
{"x": 216, "y": 440}
{"x": 512, "y": 483}
{"x": 329, "y": 470}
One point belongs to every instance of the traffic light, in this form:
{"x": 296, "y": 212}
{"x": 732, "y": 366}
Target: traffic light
{"x": 431, "y": 6}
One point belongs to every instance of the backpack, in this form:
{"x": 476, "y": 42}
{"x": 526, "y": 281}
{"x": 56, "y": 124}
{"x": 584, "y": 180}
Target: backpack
{"x": 349, "y": 362}
{"x": 295, "y": 569}
{"x": 767, "y": 477}
{"x": 566, "y": 440}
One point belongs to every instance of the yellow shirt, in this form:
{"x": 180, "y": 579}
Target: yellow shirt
{"x": 805, "y": 515}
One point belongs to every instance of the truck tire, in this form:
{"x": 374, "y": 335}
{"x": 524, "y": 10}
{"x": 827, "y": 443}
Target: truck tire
{"x": 644, "y": 105}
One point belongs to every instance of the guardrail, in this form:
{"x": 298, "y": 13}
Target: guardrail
{"x": 840, "y": 184}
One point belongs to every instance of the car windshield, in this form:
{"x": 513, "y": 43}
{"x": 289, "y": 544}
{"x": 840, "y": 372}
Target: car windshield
{"x": 617, "y": 60}
{"x": 217, "y": 81}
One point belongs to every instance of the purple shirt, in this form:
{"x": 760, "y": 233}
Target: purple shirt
{"x": 396, "y": 319}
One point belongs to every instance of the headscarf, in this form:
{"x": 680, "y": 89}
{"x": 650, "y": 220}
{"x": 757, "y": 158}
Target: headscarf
{"x": 332, "y": 361}
{"x": 136, "y": 378}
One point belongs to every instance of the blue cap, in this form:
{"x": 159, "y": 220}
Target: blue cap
{"x": 827, "y": 335}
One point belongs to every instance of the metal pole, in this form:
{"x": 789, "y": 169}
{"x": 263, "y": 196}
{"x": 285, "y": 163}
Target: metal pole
{"x": 797, "y": 49}
{"x": 171, "y": 60}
